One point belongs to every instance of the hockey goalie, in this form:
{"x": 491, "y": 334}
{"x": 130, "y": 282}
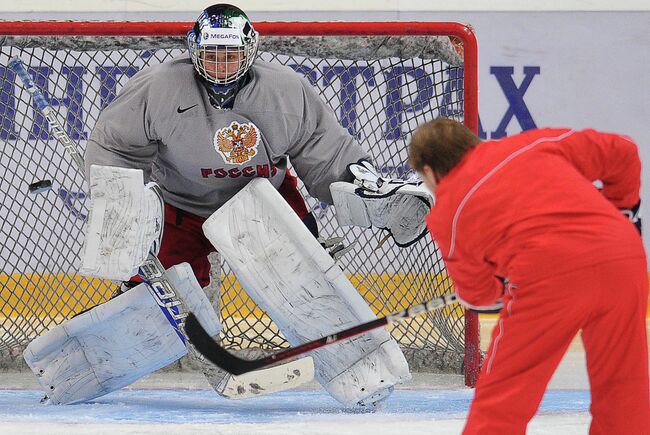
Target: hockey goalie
{"x": 215, "y": 129}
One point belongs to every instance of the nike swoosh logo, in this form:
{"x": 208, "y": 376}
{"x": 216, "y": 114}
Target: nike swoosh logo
{"x": 179, "y": 110}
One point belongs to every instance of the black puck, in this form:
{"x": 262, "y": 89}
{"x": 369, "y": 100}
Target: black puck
{"x": 40, "y": 186}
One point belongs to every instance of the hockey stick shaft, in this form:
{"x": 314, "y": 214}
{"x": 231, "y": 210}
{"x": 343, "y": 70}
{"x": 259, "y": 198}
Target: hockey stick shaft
{"x": 152, "y": 271}
{"x": 44, "y": 107}
{"x": 235, "y": 365}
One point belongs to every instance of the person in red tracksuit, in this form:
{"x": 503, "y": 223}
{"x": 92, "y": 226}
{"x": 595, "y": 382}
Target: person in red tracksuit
{"x": 521, "y": 225}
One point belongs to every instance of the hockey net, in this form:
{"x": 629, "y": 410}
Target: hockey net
{"x": 381, "y": 80}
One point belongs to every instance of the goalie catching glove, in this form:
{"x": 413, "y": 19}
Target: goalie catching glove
{"x": 397, "y": 206}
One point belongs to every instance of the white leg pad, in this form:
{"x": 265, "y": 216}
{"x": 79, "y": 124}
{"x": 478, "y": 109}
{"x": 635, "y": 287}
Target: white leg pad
{"x": 380, "y": 369}
{"x": 287, "y": 272}
{"x": 115, "y": 343}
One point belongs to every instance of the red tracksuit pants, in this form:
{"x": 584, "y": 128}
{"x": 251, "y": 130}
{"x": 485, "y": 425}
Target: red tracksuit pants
{"x": 608, "y": 303}
{"x": 183, "y": 239}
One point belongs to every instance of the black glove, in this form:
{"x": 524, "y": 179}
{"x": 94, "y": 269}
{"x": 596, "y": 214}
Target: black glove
{"x": 499, "y": 303}
{"x": 634, "y": 215}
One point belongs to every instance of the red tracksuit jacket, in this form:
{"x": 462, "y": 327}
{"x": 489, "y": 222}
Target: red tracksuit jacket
{"x": 524, "y": 207}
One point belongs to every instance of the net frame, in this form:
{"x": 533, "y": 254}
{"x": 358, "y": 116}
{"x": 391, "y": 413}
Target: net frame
{"x": 472, "y": 357}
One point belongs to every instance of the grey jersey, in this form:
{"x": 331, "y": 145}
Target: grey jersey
{"x": 163, "y": 123}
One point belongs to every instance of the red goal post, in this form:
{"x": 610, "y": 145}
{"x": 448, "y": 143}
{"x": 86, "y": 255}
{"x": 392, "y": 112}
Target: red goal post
{"x": 379, "y": 101}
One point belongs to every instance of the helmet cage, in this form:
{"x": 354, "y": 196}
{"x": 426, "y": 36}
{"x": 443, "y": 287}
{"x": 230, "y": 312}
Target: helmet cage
{"x": 227, "y": 61}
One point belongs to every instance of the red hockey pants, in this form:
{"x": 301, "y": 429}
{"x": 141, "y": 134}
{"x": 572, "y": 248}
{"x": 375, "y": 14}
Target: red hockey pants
{"x": 608, "y": 303}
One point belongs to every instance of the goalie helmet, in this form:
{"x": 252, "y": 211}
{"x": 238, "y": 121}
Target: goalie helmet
{"x": 222, "y": 44}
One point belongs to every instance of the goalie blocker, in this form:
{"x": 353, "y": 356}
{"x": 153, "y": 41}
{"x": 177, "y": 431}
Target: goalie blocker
{"x": 125, "y": 223}
{"x": 287, "y": 272}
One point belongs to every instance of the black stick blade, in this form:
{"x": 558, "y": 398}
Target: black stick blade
{"x": 216, "y": 354}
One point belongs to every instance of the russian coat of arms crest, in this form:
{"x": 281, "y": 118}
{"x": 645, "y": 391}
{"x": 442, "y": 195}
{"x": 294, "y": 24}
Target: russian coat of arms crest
{"x": 237, "y": 143}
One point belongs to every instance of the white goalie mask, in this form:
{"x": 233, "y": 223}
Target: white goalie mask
{"x": 222, "y": 44}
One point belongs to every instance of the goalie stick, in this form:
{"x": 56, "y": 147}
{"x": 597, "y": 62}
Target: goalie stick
{"x": 238, "y": 366}
{"x": 152, "y": 273}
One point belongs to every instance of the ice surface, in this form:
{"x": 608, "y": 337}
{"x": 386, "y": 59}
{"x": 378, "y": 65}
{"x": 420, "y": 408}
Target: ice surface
{"x": 170, "y": 403}
{"x": 296, "y": 412}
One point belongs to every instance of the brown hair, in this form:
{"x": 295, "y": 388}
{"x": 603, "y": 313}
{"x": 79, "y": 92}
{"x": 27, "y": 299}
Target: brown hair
{"x": 440, "y": 144}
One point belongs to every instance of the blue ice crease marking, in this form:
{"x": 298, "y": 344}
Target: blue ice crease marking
{"x": 204, "y": 406}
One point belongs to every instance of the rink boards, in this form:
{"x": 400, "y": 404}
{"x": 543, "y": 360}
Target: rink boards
{"x": 63, "y": 295}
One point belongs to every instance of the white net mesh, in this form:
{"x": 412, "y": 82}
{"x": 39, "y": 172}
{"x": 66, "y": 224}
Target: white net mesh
{"x": 380, "y": 88}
